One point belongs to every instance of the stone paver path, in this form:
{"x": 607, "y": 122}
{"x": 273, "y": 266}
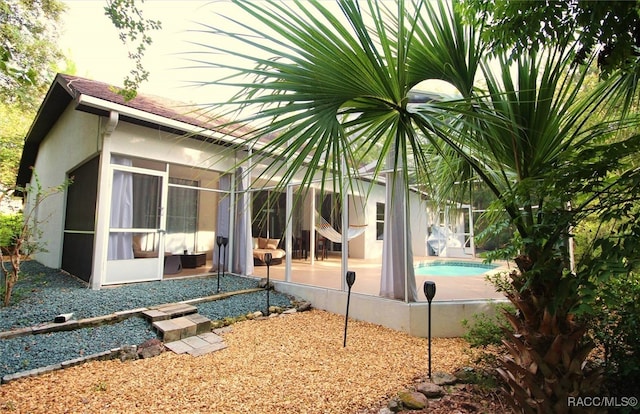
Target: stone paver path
{"x": 197, "y": 345}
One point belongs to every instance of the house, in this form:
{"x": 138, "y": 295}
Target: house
{"x": 156, "y": 186}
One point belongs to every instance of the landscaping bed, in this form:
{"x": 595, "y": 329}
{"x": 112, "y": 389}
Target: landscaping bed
{"x": 43, "y": 293}
{"x": 287, "y": 364}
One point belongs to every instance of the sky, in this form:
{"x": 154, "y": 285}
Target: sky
{"x": 91, "y": 41}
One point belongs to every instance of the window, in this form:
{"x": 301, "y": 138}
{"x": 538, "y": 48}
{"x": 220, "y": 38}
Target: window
{"x": 269, "y": 214}
{"x": 182, "y": 211}
{"x": 379, "y": 221}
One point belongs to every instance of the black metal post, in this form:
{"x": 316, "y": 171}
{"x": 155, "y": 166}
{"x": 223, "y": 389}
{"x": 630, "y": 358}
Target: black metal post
{"x": 351, "y": 278}
{"x": 219, "y": 243}
{"x": 429, "y": 291}
{"x": 267, "y": 261}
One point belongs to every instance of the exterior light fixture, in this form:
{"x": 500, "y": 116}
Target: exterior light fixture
{"x": 351, "y": 278}
{"x": 225, "y": 241}
{"x": 267, "y": 261}
{"x": 219, "y": 243}
{"x": 429, "y": 291}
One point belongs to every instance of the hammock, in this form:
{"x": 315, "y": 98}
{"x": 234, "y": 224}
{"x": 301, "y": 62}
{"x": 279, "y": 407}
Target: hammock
{"x": 324, "y": 228}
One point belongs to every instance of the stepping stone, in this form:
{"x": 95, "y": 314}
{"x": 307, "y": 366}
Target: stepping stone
{"x": 177, "y": 309}
{"x": 195, "y": 342}
{"x": 155, "y": 315}
{"x": 203, "y": 324}
{"x": 175, "y": 329}
{"x": 207, "y": 349}
{"x": 197, "y": 345}
{"x": 211, "y": 338}
{"x": 187, "y": 327}
{"x": 169, "y": 311}
{"x": 168, "y": 330}
{"x": 178, "y": 347}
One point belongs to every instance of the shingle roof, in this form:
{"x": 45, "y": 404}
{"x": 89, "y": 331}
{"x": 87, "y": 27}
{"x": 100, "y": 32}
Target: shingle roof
{"x": 66, "y": 88}
{"x": 161, "y": 106}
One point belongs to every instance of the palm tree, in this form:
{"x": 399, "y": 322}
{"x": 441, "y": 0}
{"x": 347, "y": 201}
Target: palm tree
{"x": 331, "y": 86}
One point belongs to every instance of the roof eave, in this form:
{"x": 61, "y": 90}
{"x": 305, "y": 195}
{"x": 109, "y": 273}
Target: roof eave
{"x": 102, "y": 107}
{"x": 55, "y": 102}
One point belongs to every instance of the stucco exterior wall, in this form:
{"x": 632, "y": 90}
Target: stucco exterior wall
{"x": 367, "y": 247}
{"x": 138, "y": 141}
{"x": 76, "y": 137}
{"x": 372, "y": 248}
{"x": 73, "y": 139}
{"x": 411, "y": 318}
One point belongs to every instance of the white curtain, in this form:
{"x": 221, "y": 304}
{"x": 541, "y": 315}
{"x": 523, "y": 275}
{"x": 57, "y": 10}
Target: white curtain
{"x": 398, "y": 280}
{"x": 243, "y": 249}
{"x": 121, "y": 244}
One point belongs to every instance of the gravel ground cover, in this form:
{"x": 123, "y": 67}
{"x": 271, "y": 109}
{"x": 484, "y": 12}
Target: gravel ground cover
{"x": 289, "y": 364}
{"x": 43, "y": 293}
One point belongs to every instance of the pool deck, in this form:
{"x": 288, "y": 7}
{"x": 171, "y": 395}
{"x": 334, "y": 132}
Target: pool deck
{"x": 457, "y": 297}
{"x": 327, "y": 274}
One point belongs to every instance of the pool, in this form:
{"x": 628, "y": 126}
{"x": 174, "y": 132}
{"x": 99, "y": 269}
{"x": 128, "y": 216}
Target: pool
{"x": 450, "y": 268}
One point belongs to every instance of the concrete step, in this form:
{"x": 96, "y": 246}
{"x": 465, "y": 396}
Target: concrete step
{"x": 183, "y": 327}
{"x": 169, "y": 311}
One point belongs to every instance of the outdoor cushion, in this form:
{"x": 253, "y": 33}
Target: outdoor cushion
{"x": 272, "y": 244}
{"x": 276, "y": 254}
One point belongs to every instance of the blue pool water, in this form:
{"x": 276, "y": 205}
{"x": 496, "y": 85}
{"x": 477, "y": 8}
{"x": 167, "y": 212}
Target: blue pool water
{"x": 452, "y": 269}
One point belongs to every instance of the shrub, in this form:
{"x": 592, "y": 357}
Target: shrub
{"x": 10, "y": 227}
{"x": 487, "y": 330}
{"x": 616, "y": 329}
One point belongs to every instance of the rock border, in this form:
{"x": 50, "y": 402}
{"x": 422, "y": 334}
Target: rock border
{"x": 100, "y": 356}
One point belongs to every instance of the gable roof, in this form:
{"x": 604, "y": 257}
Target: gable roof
{"x": 100, "y": 98}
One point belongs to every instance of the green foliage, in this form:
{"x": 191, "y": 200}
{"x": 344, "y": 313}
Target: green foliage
{"x": 13, "y": 128}
{"x": 100, "y": 386}
{"x": 27, "y": 239}
{"x": 127, "y": 17}
{"x": 612, "y": 296}
{"x": 497, "y": 237}
{"x": 518, "y": 26}
{"x": 10, "y": 228}
{"x": 28, "y": 49}
{"x": 485, "y": 330}
{"x": 616, "y": 327}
